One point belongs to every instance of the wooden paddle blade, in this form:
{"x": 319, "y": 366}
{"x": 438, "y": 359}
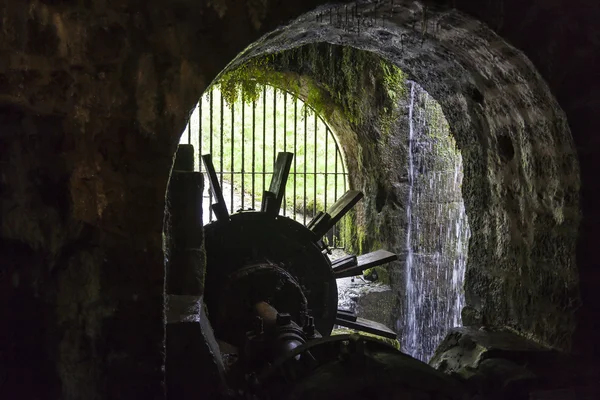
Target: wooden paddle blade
{"x": 346, "y": 315}
{"x": 336, "y": 212}
{"x": 219, "y": 207}
{"x": 272, "y": 203}
{"x": 364, "y": 262}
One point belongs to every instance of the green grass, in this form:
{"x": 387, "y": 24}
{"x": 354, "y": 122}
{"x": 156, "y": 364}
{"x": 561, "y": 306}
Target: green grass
{"x": 270, "y": 131}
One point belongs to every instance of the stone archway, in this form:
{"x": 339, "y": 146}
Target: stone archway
{"x": 521, "y": 179}
{"x": 77, "y": 93}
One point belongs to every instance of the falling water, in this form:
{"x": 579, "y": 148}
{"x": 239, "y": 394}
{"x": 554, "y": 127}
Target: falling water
{"x": 409, "y": 340}
{"x": 438, "y": 231}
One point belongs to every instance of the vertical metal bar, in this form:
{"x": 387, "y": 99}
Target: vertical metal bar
{"x": 274, "y": 126}
{"x": 285, "y": 94}
{"x": 201, "y": 103}
{"x": 210, "y": 197}
{"x": 315, "y": 168}
{"x": 221, "y": 146}
{"x": 253, "y": 153}
{"x": 264, "y": 142}
{"x": 305, "y": 151}
{"x": 335, "y": 188}
{"x": 285, "y": 145}
{"x": 295, "y": 150}
{"x": 232, "y": 153}
{"x": 345, "y": 175}
{"x": 329, "y": 238}
{"x": 274, "y": 135}
{"x": 243, "y": 150}
{"x": 327, "y": 132}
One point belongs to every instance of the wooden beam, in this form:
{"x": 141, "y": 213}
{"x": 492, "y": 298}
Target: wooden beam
{"x": 346, "y": 315}
{"x": 219, "y": 207}
{"x": 344, "y": 263}
{"x": 365, "y": 261}
{"x": 336, "y": 212}
{"x": 278, "y": 182}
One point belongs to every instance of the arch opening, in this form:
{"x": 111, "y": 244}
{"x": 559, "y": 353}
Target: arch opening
{"x": 515, "y": 191}
{"x": 244, "y": 137}
{"x": 374, "y": 133}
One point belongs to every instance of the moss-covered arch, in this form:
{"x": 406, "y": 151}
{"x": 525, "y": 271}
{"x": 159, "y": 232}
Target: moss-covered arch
{"x": 358, "y": 94}
{"x": 523, "y": 209}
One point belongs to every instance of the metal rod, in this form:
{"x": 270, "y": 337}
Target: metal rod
{"x": 274, "y": 126}
{"x": 264, "y": 142}
{"x": 221, "y": 146}
{"x": 343, "y": 170}
{"x": 326, "y": 162}
{"x": 243, "y": 150}
{"x": 285, "y": 145}
{"x": 295, "y": 148}
{"x": 232, "y": 153}
{"x": 210, "y": 198}
{"x": 315, "y": 168}
{"x": 335, "y": 194}
{"x": 305, "y": 151}
{"x": 326, "y": 188}
{"x": 253, "y": 153}
{"x": 343, "y": 174}
{"x": 285, "y": 121}
{"x": 200, "y": 133}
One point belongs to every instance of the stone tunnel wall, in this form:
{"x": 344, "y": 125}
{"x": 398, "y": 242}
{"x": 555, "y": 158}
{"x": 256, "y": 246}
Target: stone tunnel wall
{"x": 94, "y": 95}
{"x": 520, "y": 168}
{"x": 93, "y": 98}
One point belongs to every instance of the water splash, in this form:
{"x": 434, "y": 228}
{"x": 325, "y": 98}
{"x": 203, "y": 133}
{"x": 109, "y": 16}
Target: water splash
{"x": 438, "y": 231}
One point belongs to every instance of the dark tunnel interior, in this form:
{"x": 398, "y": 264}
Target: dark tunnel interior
{"x": 284, "y": 200}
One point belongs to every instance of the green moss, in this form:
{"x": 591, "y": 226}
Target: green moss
{"x": 364, "y": 87}
{"x": 383, "y": 276}
{"x": 345, "y": 331}
{"x": 394, "y": 82}
{"x": 342, "y": 74}
{"x": 353, "y": 234}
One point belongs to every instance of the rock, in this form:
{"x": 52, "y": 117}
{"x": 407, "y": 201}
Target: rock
{"x": 494, "y": 364}
{"x": 468, "y": 347}
{"x": 377, "y": 305}
{"x": 471, "y": 317}
{"x": 369, "y": 300}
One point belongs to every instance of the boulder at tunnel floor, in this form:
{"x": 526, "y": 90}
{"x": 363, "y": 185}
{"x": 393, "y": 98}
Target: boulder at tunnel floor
{"x": 502, "y": 365}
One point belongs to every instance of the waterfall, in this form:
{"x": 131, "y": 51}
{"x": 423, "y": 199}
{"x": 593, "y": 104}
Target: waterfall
{"x": 409, "y": 341}
{"x": 437, "y": 229}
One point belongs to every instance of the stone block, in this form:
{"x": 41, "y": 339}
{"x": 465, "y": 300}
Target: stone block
{"x": 194, "y": 367}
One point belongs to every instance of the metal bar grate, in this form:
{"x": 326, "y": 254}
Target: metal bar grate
{"x": 244, "y": 145}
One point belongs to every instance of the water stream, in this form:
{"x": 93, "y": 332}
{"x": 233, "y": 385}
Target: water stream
{"x": 437, "y": 233}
